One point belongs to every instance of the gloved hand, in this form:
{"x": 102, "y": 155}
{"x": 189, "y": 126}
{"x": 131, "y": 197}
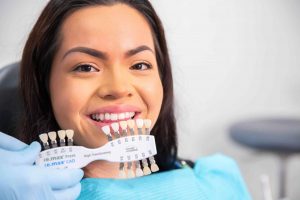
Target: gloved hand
{"x": 21, "y": 179}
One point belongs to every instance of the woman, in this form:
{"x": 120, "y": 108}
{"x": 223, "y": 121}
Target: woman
{"x": 108, "y": 57}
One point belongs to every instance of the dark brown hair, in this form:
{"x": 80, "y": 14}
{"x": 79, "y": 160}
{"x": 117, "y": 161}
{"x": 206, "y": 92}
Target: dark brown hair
{"x": 38, "y": 54}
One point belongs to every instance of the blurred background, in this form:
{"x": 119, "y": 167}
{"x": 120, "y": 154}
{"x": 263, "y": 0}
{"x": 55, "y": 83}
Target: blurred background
{"x": 232, "y": 60}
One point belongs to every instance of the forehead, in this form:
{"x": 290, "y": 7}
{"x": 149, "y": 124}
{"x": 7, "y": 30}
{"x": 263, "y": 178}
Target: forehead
{"x": 110, "y": 28}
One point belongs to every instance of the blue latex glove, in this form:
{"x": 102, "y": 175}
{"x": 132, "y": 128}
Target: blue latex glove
{"x": 213, "y": 178}
{"x": 21, "y": 179}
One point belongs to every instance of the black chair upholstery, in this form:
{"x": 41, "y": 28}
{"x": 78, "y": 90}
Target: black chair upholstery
{"x": 10, "y": 102}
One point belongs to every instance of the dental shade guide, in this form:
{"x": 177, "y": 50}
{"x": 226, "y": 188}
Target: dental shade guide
{"x": 123, "y": 125}
{"x": 146, "y": 169}
{"x": 128, "y": 149}
{"x": 153, "y": 165}
{"x": 115, "y": 127}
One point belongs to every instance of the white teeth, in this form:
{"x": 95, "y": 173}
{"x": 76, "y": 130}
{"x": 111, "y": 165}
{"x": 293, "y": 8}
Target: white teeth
{"x": 114, "y": 117}
{"x": 107, "y": 116}
{"x": 121, "y": 116}
{"x": 131, "y": 114}
{"x": 101, "y": 116}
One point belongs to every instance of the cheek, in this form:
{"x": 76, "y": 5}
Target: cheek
{"x": 67, "y": 100}
{"x": 153, "y": 96}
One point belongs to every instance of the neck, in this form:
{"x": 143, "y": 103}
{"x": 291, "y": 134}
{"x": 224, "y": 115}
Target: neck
{"x": 102, "y": 169}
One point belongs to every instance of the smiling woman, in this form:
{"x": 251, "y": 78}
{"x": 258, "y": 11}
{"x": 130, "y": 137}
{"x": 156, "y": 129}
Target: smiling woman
{"x": 100, "y": 58}
{"x": 91, "y": 63}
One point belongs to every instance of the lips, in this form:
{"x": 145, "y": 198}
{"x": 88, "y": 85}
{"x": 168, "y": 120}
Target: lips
{"x": 110, "y": 114}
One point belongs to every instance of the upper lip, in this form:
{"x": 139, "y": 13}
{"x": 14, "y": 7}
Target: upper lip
{"x": 115, "y": 109}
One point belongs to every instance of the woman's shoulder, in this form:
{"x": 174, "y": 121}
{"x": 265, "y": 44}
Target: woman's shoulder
{"x": 220, "y": 175}
{"x": 216, "y": 162}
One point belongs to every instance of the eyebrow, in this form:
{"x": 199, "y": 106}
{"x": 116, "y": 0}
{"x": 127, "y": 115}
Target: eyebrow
{"x": 104, "y": 56}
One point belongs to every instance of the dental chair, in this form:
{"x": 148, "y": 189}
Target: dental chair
{"x": 10, "y": 101}
{"x": 281, "y": 136}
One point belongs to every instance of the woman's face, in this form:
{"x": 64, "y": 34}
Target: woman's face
{"x": 105, "y": 68}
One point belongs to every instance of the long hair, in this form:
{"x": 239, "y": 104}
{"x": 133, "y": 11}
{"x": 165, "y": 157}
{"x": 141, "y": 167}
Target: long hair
{"x": 38, "y": 55}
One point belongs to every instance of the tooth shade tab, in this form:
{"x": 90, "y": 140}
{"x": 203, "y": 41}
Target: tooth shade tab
{"x": 115, "y": 127}
{"x": 44, "y": 137}
{"x": 147, "y": 123}
{"x": 123, "y": 125}
{"x": 131, "y": 123}
{"x": 130, "y": 174}
{"x": 139, "y": 123}
{"x": 61, "y": 134}
{"x": 139, "y": 172}
{"x": 146, "y": 170}
{"x": 70, "y": 133}
{"x": 52, "y": 135}
{"x": 106, "y": 130}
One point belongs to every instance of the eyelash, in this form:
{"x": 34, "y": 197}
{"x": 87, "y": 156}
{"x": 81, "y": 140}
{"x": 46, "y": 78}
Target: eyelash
{"x": 137, "y": 66}
{"x": 148, "y": 66}
{"x": 79, "y": 68}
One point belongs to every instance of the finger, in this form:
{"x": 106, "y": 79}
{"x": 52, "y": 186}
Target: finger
{"x": 69, "y": 193}
{"x": 63, "y": 178}
{"x": 10, "y": 143}
{"x": 26, "y": 156}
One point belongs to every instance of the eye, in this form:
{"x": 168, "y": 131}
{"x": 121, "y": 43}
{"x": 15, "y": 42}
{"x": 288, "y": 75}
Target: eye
{"x": 141, "y": 66}
{"x": 86, "y": 68}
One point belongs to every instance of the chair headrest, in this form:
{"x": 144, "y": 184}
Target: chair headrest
{"x": 10, "y": 101}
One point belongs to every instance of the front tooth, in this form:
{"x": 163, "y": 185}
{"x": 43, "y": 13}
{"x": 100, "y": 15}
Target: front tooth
{"x": 127, "y": 115}
{"x": 121, "y": 116}
{"x": 114, "y": 117}
{"x": 131, "y": 114}
{"x": 101, "y": 116}
{"x": 97, "y": 117}
{"x": 107, "y": 116}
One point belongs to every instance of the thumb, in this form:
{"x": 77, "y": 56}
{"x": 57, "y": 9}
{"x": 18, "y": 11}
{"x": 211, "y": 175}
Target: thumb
{"x": 26, "y": 156}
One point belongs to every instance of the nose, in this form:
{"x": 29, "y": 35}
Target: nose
{"x": 115, "y": 85}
